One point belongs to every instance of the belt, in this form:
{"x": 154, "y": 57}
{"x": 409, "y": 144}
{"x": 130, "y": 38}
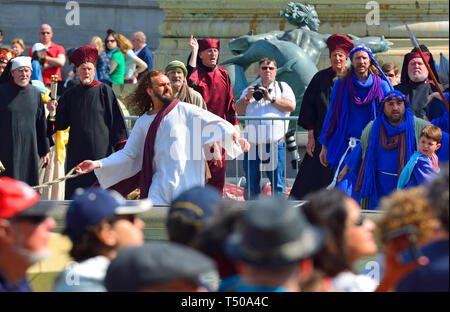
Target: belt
{"x": 280, "y": 140}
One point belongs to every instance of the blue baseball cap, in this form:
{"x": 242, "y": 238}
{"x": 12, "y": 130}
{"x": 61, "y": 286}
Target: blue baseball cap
{"x": 198, "y": 201}
{"x": 94, "y": 205}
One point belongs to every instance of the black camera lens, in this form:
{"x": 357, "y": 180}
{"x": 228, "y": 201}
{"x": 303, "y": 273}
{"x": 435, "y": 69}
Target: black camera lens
{"x": 258, "y": 94}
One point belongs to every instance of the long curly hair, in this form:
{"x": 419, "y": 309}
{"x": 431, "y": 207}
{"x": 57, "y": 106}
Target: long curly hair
{"x": 138, "y": 101}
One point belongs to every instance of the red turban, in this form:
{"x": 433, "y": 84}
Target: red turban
{"x": 341, "y": 43}
{"x": 413, "y": 55}
{"x": 204, "y": 44}
{"x": 83, "y": 55}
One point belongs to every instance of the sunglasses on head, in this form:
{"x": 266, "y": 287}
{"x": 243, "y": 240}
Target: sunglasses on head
{"x": 35, "y": 220}
{"x": 267, "y": 68}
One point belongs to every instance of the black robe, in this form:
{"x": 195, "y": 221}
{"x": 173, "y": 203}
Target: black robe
{"x": 22, "y": 132}
{"x": 96, "y": 126}
{"x": 311, "y": 175}
{"x": 418, "y": 94}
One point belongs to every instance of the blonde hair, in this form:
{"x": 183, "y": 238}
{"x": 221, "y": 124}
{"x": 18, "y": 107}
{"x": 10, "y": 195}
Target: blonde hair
{"x": 407, "y": 207}
{"x": 99, "y": 42}
{"x": 19, "y": 42}
{"x": 123, "y": 44}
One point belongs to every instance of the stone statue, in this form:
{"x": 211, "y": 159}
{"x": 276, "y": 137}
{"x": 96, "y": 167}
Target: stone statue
{"x": 304, "y": 44}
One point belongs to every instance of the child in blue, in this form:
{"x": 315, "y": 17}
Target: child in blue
{"x": 423, "y": 164}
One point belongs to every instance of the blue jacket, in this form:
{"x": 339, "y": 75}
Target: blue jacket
{"x": 147, "y": 56}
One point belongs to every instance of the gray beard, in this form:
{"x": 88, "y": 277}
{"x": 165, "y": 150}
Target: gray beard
{"x": 23, "y": 84}
{"x": 32, "y": 257}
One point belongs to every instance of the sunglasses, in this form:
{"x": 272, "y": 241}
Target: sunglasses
{"x": 360, "y": 220}
{"x": 128, "y": 217}
{"x": 267, "y": 68}
{"x": 35, "y": 220}
{"x": 390, "y": 75}
{"x": 45, "y": 33}
{"x": 110, "y": 40}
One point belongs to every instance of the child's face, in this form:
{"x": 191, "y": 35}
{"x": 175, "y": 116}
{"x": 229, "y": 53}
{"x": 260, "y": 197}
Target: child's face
{"x": 428, "y": 146}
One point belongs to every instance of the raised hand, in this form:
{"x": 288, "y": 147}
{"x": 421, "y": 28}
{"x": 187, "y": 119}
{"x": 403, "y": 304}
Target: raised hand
{"x": 87, "y": 166}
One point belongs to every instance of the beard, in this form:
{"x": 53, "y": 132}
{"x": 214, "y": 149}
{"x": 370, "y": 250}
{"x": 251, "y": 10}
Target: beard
{"x": 23, "y": 83}
{"x": 33, "y": 257}
{"x": 417, "y": 77}
{"x": 85, "y": 81}
{"x": 394, "y": 120}
{"x": 177, "y": 84}
{"x": 166, "y": 99}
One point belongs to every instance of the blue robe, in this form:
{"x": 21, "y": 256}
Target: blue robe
{"x": 417, "y": 171}
{"x": 354, "y": 122}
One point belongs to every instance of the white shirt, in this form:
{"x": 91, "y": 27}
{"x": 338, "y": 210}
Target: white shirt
{"x": 258, "y": 132}
{"x": 130, "y": 67}
{"x": 178, "y": 160}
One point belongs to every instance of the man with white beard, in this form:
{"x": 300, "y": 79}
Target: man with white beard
{"x": 177, "y": 72}
{"x": 22, "y": 125}
{"x": 91, "y": 110}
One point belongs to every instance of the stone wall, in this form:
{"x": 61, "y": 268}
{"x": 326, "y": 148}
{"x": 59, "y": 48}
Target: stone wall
{"x": 22, "y": 18}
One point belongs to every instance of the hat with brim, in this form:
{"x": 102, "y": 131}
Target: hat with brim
{"x": 274, "y": 232}
{"x": 38, "y": 47}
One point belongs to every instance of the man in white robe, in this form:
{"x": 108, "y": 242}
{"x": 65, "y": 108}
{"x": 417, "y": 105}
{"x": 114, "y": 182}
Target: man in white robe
{"x": 178, "y": 158}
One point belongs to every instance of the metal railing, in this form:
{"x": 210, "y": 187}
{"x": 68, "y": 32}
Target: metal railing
{"x": 238, "y": 162}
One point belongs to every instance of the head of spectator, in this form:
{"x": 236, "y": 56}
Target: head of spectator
{"x": 414, "y": 69}
{"x": 267, "y": 70}
{"x": 212, "y": 238}
{"x": 391, "y": 71}
{"x": 45, "y": 34}
{"x": 24, "y": 230}
{"x": 363, "y": 63}
{"x": 97, "y": 43}
{"x": 275, "y": 243}
{"x": 18, "y": 46}
{"x": 154, "y": 88}
{"x": 339, "y": 47}
{"x": 138, "y": 40}
{"x": 438, "y": 196}
{"x": 177, "y": 73}
{"x": 99, "y": 222}
{"x": 123, "y": 44}
{"x": 21, "y": 70}
{"x": 111, "y": 40}
{"x": 351, "y": 236}
{"x": 1, "y": 36}
{"x": 208, "y": 52}
{"x": 84, "y": 60}
{"x": 38, "y": 51}
{"x": 157, "y": 267}
{"x": 5, "y": 56}
{"x": 189, "y": 212}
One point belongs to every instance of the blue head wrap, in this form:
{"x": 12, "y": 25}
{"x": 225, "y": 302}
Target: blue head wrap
{"x": 363, "y": 48}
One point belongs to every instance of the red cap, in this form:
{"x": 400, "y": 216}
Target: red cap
{"x": 204, "y": 44}
{"x": 15, "y": 196}
{"x": 413, "y": 55}
{"x": 341, "y": 43}
{"x": 83, "y": 55}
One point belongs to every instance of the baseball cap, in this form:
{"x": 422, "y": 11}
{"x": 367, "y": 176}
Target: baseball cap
{"x": 18, "y": 198}
{"x": 38, "y": 47}
{"x": 94, "y": 205}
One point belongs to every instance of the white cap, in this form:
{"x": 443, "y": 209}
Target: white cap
{"x": 21, "y": 61}
{"x": 38, "y": 47}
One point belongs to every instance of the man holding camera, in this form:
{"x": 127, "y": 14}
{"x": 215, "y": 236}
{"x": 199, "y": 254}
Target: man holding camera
{"x": 270, "y": 99}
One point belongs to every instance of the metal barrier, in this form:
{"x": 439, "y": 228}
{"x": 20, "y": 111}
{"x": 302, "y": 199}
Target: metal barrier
{"x": 237, "y": 165}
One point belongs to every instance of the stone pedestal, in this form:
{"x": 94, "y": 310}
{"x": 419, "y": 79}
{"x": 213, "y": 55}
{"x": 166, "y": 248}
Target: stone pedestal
{"x": 229, "y": 19}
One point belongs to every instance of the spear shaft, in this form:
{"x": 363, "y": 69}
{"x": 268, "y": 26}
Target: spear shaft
{"x": 416, "y": 45}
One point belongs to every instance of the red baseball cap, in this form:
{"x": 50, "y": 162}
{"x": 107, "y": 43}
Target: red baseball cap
{"x": 15, "y": 197}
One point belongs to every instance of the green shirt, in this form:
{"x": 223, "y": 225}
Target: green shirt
{"x": 118, "y": 73}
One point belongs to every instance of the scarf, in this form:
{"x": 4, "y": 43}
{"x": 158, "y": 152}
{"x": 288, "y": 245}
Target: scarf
{"x": 401, "y": 136}
{"x": 143, "y": 179}
{"x": 185, "y": 94}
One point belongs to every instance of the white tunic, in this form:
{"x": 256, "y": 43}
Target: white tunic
{"x": 178, "y": 160}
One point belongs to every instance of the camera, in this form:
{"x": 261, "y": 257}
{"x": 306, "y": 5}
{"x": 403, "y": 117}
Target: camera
{"x": 291, "y": 147}
{"x": 258, "y": 94}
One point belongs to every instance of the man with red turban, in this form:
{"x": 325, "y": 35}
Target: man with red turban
{"x": 312, "y": 175}
{"x": 213, "y": 83}
{"x": 94, "y": 116}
